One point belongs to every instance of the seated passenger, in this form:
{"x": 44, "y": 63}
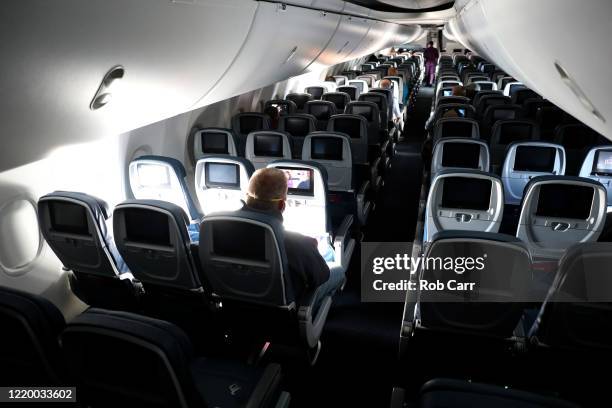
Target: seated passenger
{"x": 397, "y": 114}
{"x": 267, "y": 193}
{"x": 458, "y": 90}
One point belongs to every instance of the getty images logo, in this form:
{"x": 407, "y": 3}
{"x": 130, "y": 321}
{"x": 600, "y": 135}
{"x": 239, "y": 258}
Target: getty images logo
{"x": 403, "y": 262}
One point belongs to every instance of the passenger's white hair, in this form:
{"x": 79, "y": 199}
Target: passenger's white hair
{"x": 267, "y": 187}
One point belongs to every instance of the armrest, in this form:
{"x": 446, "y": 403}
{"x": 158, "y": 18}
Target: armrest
{"x": 363, "y": 204}
{"x": 343, "y": 245}
{"x": 311, "y": 326}
{"x": 267, "y": 388}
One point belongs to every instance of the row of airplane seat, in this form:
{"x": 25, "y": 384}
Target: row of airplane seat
{"x": 156, "y": 358}
{"x": 560, "y": 220}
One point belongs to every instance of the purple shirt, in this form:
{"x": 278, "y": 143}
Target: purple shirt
{"x": 431, "y": 54}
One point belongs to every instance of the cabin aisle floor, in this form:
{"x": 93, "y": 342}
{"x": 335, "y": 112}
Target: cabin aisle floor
{"x": 357, "y": 362}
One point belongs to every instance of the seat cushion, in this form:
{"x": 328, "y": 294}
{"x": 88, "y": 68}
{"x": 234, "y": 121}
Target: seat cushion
{"x": 447, "y": 393}
{"x": 29, "y": 349}
{"x": 229, "y": 384}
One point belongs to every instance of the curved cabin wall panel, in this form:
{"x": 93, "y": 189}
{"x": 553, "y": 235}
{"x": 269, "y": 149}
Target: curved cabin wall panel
{"x": 348, "y": 35}
{"x": 282, "y": 42}
{"x": 562, "y": 55}
{"x": 59, "y": 52}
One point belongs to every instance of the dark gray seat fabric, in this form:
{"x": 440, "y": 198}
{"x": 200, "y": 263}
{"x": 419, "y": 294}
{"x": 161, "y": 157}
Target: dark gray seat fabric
{"x": 153, "y": 239}
{"x": 74, "y": 226}
{"x": 247, "y": 122}
{"x": 506, "y": 275}
{"x": 322, "y": 111}
{"x": 123, "y": 359}
{"x": 340, "y": 99}
{"x": 577, "y": 313}
{"x": 449, "y": 393}
{"x": 29, "y": 344}
{"x": 260, "y": 295}
{"x": 300, "y": 100}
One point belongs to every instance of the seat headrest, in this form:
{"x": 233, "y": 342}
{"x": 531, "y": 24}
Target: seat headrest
{"x": 368, "y": 110}
{"x": 558, "y": 211}
{"x": 161, "y": 178}
{"x": 214, "y": 140}
{"x": 83, "y": 218}
{"x": 95, "y": 204}
{"x": 261, "y": 278}
{"x": 355, "y": 126}
{"x": 285, "y": 106}
{"x": 246, "y": 122}
{"x": 510, "y": 131}
{"x": 297, "y": 124}
{"x": 340, "y": 99}
{"x": 321, "y": 110}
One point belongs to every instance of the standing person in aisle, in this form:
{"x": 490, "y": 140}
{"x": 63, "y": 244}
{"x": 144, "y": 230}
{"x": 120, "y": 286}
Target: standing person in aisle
{"x": 431, "y": 56}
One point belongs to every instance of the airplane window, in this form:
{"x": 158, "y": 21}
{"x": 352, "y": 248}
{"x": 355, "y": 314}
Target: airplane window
{"x": 19, "y": 221}
{"x": 565, "y": 201}
{"x": 222, "y": 175}
{"x": 466, "y": 193}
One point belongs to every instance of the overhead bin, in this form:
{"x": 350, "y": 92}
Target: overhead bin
{"x": 282, "y": 42}
{"x": 550, "y": 61}
{"x": 348, "y": 35}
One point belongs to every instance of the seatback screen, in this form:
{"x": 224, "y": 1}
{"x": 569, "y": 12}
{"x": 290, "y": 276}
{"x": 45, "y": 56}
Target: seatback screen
{"x": 461, "y": 155}
{"x": 535, "y": 158}
{"x": 297, "y": 126}
{"x": 466, "y": 193}
{"x": 499, "y": 114}
{"x": 358, "y": 85}
{"x": 326, "y": 148}
{"x": 299, "y": 180}
{"x": 565, "y": 201}
{"x": 447, "y": 92}
{"x": 350, "y": 90}
{"x": 222, "y": 175}
{"x": 351, "y": 127}
{"x": 365, "y": 111}
{"x": 456, "y": 129}
{"x": 602, "y": 165}
{"x": 147, "y": 227}
{"x": 225, "y": 242}
{"x": 320, "y": 111}
{"x": 214, "y": 143}
{"x": 268, "y": 145}
{"x": 67, "y": 217}
{"x": 153, "y": 175}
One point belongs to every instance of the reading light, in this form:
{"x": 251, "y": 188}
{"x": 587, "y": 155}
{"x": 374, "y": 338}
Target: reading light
{"x": 105, "y": 90}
